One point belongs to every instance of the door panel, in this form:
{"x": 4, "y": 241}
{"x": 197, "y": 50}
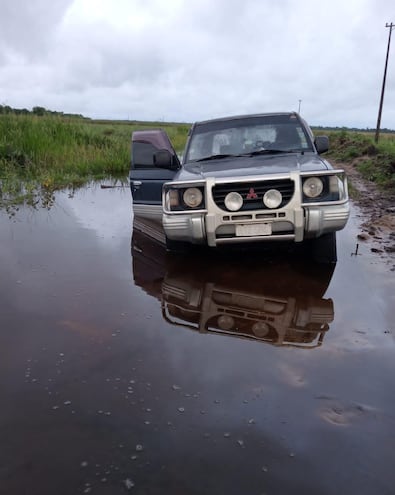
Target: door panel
{"x": 146, "y": 185}
{"x": 146, "y": 180}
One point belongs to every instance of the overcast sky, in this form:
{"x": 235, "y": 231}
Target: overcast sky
{"x": 187, "y": 60}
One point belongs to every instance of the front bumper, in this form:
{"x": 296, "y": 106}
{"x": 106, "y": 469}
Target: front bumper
{"x": 294, "y": 222}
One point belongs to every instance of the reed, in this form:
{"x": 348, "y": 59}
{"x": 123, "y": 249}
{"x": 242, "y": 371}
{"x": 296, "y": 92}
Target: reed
{"x": 54, "y": 152}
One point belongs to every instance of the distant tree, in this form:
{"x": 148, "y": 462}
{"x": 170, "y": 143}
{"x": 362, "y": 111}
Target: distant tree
{"x": 39, "y": 111}
{"x": 20, "y": 111}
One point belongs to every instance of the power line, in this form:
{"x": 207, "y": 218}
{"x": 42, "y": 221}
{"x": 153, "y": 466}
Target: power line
{"x": 376, "y": 137}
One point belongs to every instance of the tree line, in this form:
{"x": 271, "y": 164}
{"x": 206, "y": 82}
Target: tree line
{"x": 39, "y": 111}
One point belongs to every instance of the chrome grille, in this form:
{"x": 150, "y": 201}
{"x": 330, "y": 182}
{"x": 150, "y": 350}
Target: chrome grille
{"x": 250, "y": 189}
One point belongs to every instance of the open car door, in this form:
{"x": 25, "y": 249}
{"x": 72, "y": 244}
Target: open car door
{"x": 154, "y": 162}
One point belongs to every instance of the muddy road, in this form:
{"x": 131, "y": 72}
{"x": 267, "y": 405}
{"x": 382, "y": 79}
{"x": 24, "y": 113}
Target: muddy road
{"x": 127, "y": 370}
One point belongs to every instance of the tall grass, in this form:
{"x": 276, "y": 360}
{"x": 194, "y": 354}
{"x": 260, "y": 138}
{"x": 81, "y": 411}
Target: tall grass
{"x": 34, "y": 145}
{"x": 375, "y": 161}
{"x": 39, "y": 154}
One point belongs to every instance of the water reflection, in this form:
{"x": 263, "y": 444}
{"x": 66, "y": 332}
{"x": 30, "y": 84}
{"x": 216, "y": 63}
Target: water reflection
{"x": 275, "y": 300}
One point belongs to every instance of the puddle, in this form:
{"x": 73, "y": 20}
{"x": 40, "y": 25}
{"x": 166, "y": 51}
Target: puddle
{"x": 239, "y": 294}
{"x": 126, "y": 369}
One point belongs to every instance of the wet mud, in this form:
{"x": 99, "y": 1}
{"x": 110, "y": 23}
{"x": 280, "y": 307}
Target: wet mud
{"x": 376, "y": 212}
{"x": 125, "y": 369}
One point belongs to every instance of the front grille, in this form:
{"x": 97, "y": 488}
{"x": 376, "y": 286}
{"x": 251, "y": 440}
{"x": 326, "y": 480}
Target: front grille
{"x": 253, "y": 192}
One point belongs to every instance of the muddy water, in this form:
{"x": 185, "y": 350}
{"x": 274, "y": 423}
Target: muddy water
{"x": 124, "y": 369}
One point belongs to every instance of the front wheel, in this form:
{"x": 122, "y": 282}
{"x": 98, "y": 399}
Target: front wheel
{"x": 323, "y": 249}
{"x": 179, "y": 247}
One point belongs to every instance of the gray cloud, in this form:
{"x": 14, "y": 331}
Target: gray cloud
{"x": 186, "y": 60}
{"x": 27, "y": 27}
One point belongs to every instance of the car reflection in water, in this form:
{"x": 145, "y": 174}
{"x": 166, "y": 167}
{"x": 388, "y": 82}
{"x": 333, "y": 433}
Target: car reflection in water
{"x": 239, "y": 294}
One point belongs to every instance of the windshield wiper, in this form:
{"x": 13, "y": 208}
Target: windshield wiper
{"x": 214, "y": 157}
{"x": 269, "y": 151}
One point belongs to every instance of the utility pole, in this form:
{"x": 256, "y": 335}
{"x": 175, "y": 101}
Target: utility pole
{"x": 376, "y": 137}
{"x": 300, "y": 101}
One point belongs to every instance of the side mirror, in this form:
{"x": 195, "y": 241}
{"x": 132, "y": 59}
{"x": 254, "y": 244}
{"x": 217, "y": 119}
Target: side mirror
{"x": 165, "y": 159}
{"x": 152, "y": 148}
{"x": 321, "y": 144}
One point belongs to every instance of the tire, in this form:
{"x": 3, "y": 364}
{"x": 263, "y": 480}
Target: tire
{"x": 323, "y": 249}
{"x": 179, "y": 247}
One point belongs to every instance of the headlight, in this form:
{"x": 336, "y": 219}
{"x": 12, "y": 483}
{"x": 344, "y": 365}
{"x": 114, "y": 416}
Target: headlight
{"x": 272, "y": 198}
{"x": 313, "y": 187}
{"x": 334, "y": 183}
{"x": 172, "y": 198}
{"x": 233, "y": 201}
{"x": 192, "y": 197}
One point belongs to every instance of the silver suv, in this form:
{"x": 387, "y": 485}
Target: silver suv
{"x": 241, "y": 180}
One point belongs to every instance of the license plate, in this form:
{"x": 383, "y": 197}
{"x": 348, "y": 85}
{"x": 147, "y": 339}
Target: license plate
{"x": 253, "y": 229}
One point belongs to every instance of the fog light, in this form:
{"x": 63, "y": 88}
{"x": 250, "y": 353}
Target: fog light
{"x": 260, "y": 329}
{"x": 233, "y": 201}
{"x": 225, "y": 322}
{"x": 272, "y": 198}
{"x": 192, "y": 197}
{"x": 313, "y": 187}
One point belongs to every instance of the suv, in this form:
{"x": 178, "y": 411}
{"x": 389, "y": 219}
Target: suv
{"x": 244, "y": 179}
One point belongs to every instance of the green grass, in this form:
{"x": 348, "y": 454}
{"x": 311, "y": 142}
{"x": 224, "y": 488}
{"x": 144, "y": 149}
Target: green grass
{"x": 41, "y": 154}
{"x": 375, "y": 161}
{"x": 52, "y": 153}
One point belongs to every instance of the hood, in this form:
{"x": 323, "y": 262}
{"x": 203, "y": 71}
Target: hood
{"x": 250, "y": 166}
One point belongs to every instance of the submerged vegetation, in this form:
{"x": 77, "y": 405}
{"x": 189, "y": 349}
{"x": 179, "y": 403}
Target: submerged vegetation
{"x": 43, "y": 151}
{"x": 49, "y": 153}
{"x": 40, "y": 154}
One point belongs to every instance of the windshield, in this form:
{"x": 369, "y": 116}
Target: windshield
{"x": 247, "y": 136}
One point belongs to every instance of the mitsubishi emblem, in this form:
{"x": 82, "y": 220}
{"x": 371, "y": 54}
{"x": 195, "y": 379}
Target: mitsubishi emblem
{"x": 252, "y": 194}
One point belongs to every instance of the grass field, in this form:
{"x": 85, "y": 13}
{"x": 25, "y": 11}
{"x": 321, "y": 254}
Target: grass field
{"x": 41, "y": 154}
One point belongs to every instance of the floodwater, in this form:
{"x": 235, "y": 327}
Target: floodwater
{"x": 127, "y": 370}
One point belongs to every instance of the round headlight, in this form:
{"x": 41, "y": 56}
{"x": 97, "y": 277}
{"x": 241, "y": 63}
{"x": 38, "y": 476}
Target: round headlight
{"x": 225, "y": 322}
{"x": 272, "y": 198}
{"x": 233, "y": 201}
{"x": 260, "y": 329}
{"x": 192, "y": 197}
{"x": 312, "y": 187}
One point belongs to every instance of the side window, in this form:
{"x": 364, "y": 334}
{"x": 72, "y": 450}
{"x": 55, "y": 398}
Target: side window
{"x": 142, "y": 155}
{"x": 303, "y": 139}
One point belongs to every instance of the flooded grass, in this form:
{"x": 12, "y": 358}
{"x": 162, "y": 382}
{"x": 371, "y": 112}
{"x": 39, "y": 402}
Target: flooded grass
{"x": 42, "y": 154}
